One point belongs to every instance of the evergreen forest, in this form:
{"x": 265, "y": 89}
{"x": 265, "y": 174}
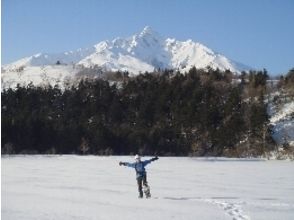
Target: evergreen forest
{"x": 201, "y": 113}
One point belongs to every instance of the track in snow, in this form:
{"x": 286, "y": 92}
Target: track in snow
{"x": 232, "y": 209}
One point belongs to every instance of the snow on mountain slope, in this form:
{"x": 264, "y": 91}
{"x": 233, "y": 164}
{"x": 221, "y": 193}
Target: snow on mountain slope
{"x": 141, "y": 52}
{"x": 281, "y": 112}
{"x": 188, "y": 54}
{"x": 40, "y": 59}
{"x": 282, "y": 120}
{"x": 39, "y": 75}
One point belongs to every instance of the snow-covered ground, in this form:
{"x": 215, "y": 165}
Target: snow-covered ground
{"x": 92, "y": 187}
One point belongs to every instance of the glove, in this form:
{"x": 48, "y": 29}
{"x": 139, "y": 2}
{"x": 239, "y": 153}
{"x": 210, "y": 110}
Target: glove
{"x": 155, "y": 158}
{"x": 122, "y": 163}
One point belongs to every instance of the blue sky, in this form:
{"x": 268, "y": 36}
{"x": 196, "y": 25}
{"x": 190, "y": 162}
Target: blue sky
{"x": 258, "y": 33}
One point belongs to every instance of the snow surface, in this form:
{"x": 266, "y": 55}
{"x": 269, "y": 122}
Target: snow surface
{"x": 40, "y": 75}
{"x": 92, "y": 187}
{"x": 142, "y": 52}
{"x": 285, "y": 112}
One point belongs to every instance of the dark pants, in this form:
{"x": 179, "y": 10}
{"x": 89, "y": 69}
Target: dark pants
{"x": 141, "y": 180}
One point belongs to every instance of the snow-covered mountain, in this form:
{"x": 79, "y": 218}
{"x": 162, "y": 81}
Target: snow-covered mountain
{"x": 141, "y": 52}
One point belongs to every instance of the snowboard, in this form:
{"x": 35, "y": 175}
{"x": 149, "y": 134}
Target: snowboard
{"x": 146, "y": 190}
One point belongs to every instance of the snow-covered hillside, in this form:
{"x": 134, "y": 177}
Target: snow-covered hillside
{"x": 144, "y": 51}
{"x": 281, "y": 112}
{"x": 91, "y": 188}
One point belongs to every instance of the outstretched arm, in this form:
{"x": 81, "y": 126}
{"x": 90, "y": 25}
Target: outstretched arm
{"x": 127, "y": 164}
{"x": 151, "y": 160}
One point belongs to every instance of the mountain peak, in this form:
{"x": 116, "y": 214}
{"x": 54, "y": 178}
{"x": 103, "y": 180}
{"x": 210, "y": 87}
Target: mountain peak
{"x": 149, "y": 32}
{"x": 144, "y": 51}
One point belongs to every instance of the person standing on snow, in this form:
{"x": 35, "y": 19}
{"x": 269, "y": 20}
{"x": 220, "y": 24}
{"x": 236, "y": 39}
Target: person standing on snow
{"x": 141, "y": 175}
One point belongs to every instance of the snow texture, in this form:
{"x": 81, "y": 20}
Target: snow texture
{"x": 92, "y": 187}
{"x": 282, "y": 120}
{"x": 145, "y": 51}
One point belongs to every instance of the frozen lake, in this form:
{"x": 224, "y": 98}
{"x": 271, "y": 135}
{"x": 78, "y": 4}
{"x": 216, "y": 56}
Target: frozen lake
{"x": 94, "y": 188}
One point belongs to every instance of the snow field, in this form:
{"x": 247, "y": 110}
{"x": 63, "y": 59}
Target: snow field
{"x": 92, "y": 187}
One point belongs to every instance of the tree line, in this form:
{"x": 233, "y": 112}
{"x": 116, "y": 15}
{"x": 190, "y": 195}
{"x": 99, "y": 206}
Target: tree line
{"x": 203, "y": 113}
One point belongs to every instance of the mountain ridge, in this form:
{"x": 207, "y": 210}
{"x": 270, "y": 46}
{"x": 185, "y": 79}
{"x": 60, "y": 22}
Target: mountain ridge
{"x": 141, "y": 52}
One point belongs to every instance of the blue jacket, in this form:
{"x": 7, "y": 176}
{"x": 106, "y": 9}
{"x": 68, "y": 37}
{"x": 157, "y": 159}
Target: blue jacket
{"x": 139, "y": 167}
